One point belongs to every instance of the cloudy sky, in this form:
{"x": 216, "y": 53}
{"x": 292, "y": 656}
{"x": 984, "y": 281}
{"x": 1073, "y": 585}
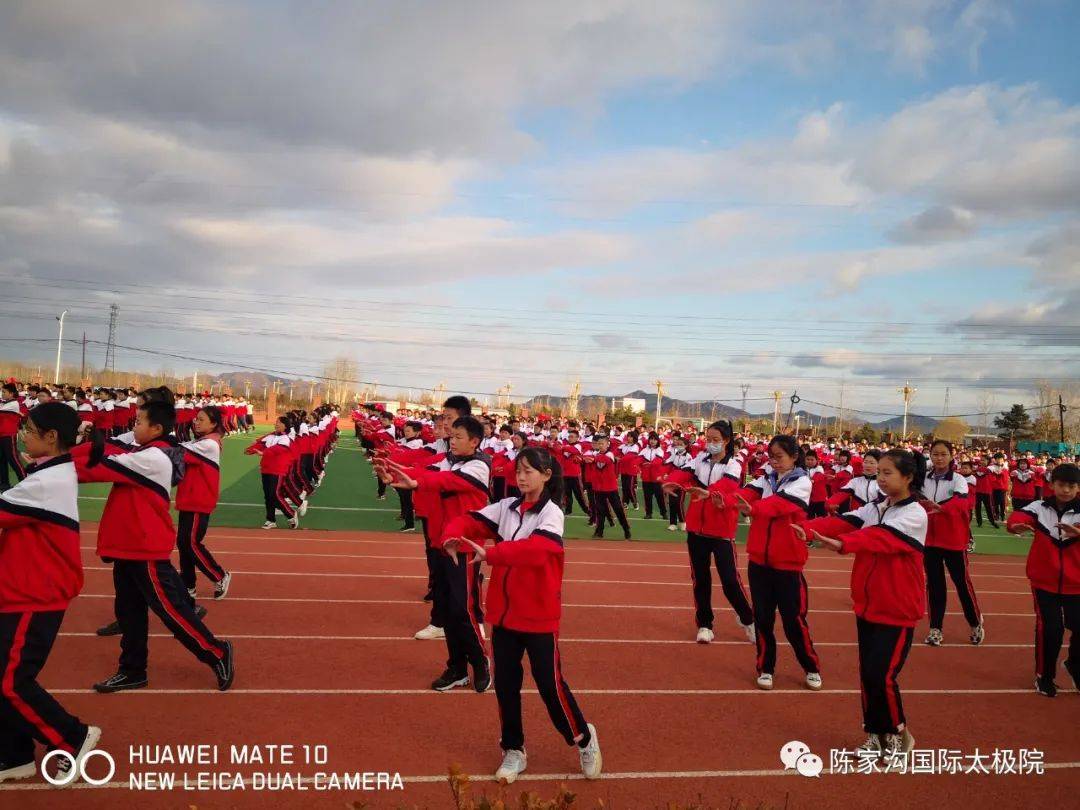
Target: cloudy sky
{"x": 782, "y": 194}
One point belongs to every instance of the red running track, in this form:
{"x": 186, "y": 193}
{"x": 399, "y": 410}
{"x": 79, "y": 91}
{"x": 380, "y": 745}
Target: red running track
{"x": 323, "y": 621}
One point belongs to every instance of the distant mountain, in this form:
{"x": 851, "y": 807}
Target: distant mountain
{"x": 594, "y": 403}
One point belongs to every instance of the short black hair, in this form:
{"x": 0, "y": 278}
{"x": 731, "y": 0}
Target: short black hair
{"x": 160, "y": 413}
{"x": 471, "y": 425}
{"x": 460, "y": 404}
{"x": 14, "y": 389}
{"x": 1066, "y": 473}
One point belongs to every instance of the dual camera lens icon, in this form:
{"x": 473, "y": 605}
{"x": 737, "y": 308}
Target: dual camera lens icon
{"x": 797, "y": 755}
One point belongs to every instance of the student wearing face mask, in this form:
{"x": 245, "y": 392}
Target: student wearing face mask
{"x": 711, "y": 524}
{"x": 678, "y": 459}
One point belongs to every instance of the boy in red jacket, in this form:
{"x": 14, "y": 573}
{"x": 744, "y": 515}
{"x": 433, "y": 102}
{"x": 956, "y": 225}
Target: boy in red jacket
{"x": 136, "y": 534}
{"x": 605, "y": 487}
{"x": 196, "y": 499}
{"x": 12, "y": 413}
{"x": 456, "y": 484}
{"x": 525, "y": 604}
{"x": 888, "y": 587}
{"x": 1053, "y": 566}
{"x": 40, "y": 573}
{"x": 275, "y": 452}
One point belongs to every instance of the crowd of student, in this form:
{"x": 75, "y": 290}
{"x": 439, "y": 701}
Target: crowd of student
{"x": 145, "y": 446}
{"x": 904, "y": 512}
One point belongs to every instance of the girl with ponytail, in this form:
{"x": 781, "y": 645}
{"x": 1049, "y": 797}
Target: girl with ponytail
{"x": 888, "y": 587}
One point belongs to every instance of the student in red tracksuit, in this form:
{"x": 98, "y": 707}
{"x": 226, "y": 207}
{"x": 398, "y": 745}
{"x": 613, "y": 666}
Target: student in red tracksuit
{"x": 652, "y": 468}
{"x": 605, "y": 487}
{"x": 858, "y": 490}
{"x": 944, "y": 496}
{"x": 12, "y": 413}
{"x": 40, "y": 573}
{"x": 196, "y": 498}
{"x": 275, "y": 458}
{"x": 136, "y": 534}
{"x": 888, "y": 587}
{"x": 524, "y": 603}
{"x": 629, "y": 464}
{"x": 819, "y": 484}
{"x": 457, "y": 484}
{"x": 984, "y": 494}
{"x": 710, "y": 528}
{"x": 999, "y": 484}
{"x": 777, "y": 557}
{"x": 842, "y": 472}
{"x": 1053, "y": 567}
{"x": 1024, "y": 481}
{"x": 569, "y": 457}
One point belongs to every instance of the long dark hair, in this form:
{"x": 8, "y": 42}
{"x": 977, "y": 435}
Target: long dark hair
{"x": 213, "y": 413}
{"x": 540, "y": 459}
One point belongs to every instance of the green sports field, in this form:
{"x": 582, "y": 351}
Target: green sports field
{"x": 347, "y": 500}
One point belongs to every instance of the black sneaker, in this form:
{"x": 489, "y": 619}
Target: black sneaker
{"x": 120, "y": 682}
{"x": 111, "y": 629}
{"x": 449, "y": 680}
{"x": 223, "y": 669}
{"x": 200, "y": 611}
{"x": 482, "y": 677}
{"x": 1046, "y": 686}
{"x": 626, "y": 535}
{"x": 1074, "y": 673}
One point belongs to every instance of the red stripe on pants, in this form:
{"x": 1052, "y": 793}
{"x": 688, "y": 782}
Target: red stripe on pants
{"x": 8, "y": 685}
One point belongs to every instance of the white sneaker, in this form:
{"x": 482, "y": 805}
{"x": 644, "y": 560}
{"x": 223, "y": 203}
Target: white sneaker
{"x": 977, "y": 634}
{"x": 70, "y": 771}
{"x": 513, "y": 763}
{"x": 682, "y": 527}
{"x": 935, "y": 638}
{"x": 270, "y": 524}
{"x": 750, "y": 630}
{"x": 764, "y": 681}
{"x": 898, "y": 745}
{"x": 294, "y": 522}
{"x": 591, "y": 760}
{"x": 672, "y": 527}
{"x": 222, "y": 588}
{"x": 870, "y": 747}
{"x": 303, "y": 508}
{"x": 17, "y": 771}
{"x": 191, "y": 592}
{"x": 813, "y": 680}
{"x": 704, "y": 635}
{"x": 430, "y": 632}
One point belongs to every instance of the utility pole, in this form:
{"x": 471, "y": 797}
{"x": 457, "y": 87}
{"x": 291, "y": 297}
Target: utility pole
{"x": 59, "y": 346}
{"x": 194, "y": 383}
{"x": 659, "y": 399}
{"x": 745, "y": 390}
{"x": 1061, "y": 418}
{"x": 776, "y": 410}
{"x": 908, "y": 392}
{"x": 945, "y": 407}
{"x": 572, "y": 399}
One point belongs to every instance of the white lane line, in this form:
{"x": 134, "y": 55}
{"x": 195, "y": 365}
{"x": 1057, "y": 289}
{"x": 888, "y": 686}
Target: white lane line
{"x": 571, "y": 562}
{"x": 678, "y": 641}
{"x": 429, "y": 779}
{"x": 332, "y": 574}
{"x": 416, "y": 602}
{"x": 607, "y": 692}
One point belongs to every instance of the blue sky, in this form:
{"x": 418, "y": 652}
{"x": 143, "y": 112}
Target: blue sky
{"x": 785, "y": 194}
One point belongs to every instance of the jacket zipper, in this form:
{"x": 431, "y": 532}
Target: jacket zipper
{"x": 506, "y": 577}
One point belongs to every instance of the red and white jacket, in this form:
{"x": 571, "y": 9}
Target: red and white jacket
{"x": 888, "y": 579}
{"x": 858, "y": 491}
{"x": 702, "y": 515}
{"x": 136, "y": 523}
{"x": 776, "y": 502}
{"x": 276, "y": 451}
{"x": 200, "y": 487}
{"x": 604, "y": 467}
{"x": 652, "y": 464}
{"x": 40, "y": 564}
{"x": 11, "y": 416}
{"x": 525, "y": 591}
{"x": 448, "y": 488}
{"x": 1053, "y": 563}
{"x": 1023, "y": 484}
{"x": 949, "y": 528}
